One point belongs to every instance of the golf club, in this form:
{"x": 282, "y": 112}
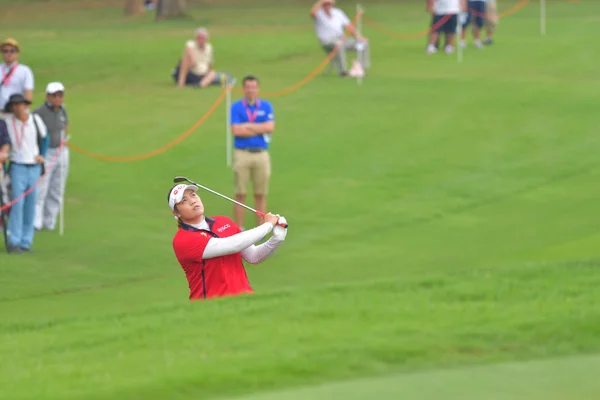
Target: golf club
{"x": 178, "y": 179}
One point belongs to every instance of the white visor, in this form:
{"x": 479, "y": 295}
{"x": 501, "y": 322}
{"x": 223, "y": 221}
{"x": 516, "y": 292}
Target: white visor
{"x": 176, "y": 194}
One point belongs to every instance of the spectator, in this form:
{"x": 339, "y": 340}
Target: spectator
{"x": 444, "y": 20}
{"x": 52, "y": 188}
{"x": 252, "y": 123}
{"x": 475, "y": 14}
{"x": 29, "y": 142}
{"x": 150, "y": 4}
{"x": 197, "y": 65}
{"x": 491, "y": 21}
{"x": 330, "y": 24}
{"x": 16, "y": 78}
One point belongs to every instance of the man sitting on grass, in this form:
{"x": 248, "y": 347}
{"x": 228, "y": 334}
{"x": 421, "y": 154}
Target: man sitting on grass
{"x": 196, "y": 66}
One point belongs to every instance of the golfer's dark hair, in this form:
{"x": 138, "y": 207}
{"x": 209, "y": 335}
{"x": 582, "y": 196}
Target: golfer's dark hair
{"x": 249, "y": 78}
{"x": 178, "y": 219}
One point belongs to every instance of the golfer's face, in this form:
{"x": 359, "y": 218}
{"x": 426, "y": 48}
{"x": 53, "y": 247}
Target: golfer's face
{"x": 190, "y": 206}
{"x": 9, "y": 54}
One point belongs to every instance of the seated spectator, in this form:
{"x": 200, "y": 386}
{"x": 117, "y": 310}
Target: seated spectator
{"x": 330, "y": 24}
{"x": 196, "y": 66}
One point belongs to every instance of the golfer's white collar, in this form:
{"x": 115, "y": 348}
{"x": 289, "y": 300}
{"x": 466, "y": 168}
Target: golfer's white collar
{"x": 202, "y": 225}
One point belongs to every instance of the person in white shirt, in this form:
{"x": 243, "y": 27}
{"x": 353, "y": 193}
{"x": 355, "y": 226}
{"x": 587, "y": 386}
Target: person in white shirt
{"x": 28, "y": 138}
{"x": 14, "y": 77}
{"x": 444, "y": 20}
{"x": 330, "y": 23}
{"x": 197, "y": 65}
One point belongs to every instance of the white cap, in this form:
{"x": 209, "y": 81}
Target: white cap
{"x": 54, "y": 87}
{"x": 176, "y": 194}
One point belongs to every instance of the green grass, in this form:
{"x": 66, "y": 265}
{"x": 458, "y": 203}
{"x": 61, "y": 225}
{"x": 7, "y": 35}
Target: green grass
{"x": 443, "y": 241}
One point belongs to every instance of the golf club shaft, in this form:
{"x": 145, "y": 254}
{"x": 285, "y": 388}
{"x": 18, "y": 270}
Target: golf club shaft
{"x": 181, "y": 178}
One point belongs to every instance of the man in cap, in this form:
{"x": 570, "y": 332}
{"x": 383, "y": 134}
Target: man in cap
{"x": 330, "y": 23}
{"x": 14, "y": 77}
{"x": 29, "y": 143}
{"x": 52, "y": 188}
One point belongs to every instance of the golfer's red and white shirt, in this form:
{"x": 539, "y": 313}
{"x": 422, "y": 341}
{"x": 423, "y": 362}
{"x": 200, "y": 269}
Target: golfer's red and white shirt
{"x": 213, "y": 277}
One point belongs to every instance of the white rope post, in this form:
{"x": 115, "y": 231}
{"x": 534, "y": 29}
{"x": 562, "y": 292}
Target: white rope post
{"x": 228, "y": 134}
{"x": 542, "y": 17}
{"x": 63, "y": 187}
{"x": 359, "y": 46}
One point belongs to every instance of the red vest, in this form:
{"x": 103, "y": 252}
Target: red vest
{"x": 214, "y": 277}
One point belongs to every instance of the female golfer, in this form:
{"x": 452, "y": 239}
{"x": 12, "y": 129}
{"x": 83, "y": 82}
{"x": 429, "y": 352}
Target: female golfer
{"x": 210, "y": 250}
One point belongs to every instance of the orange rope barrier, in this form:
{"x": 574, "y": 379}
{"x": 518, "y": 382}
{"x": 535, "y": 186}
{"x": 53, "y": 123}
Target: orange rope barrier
{"x": 307, "y": 78}
{"x": 187, "y": 133}
{"x": 162, "y": 149}
{"x": 281, "y": 92}
{"x": 513, "y": 9}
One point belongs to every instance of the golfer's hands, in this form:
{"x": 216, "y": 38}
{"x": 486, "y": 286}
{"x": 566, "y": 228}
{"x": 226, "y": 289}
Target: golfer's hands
{"x": 279, "y": 231}
{"x": 3, "y": 156}
{"x": 39, "y": 159}
{"x": 271, "y": 218}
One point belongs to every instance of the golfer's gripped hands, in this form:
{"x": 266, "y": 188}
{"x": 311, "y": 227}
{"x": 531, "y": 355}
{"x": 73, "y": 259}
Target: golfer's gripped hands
{"x": 279, "y": 231}
{"x": 271, "y": 218}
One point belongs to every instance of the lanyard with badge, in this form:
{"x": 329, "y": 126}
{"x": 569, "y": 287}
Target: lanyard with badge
{"x": 7, "y": 77}
{"x": 19, "y": 140}
{"x": 251, "y": 116}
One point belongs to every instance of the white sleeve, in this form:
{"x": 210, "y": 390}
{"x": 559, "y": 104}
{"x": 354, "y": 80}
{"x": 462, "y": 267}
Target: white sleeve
{"x": 256, "y": 254}
{"x": 218, "y": 247}
{"x": 319, "y": 14}
{"x": 41, "y": 125}
{"x": 28, "y": 79}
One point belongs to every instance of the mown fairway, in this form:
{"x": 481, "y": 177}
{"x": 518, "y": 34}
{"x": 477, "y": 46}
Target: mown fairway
{"x": 444, "y": 236}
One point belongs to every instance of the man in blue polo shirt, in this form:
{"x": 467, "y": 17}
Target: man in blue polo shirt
{"x": 252, "y": 123}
